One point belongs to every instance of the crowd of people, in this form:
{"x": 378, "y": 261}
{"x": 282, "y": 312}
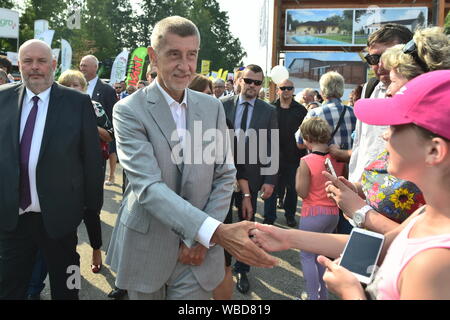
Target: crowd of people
{"x": 174, "y": 236}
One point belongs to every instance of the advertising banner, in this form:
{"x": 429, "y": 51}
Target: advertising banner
{"x": 66, "y": 55}
{"x": 346, "y": 27}
{"x": 9, "y": 24}
{"x": 136, "y": 66}
{"x": 119, "y": 68}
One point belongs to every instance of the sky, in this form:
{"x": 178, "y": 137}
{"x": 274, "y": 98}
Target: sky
{"x": 244, "y": 24}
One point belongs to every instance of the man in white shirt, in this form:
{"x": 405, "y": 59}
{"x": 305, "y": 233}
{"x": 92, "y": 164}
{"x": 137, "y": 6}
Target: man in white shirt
{"x": 162, "y": 246}
{"x": 51, "y": 171}
{"x": 368, "y": 142}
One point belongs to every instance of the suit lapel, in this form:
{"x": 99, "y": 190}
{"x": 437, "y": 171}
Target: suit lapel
{"x": 20, "y": 90}
{"x": 256, "y": 116}
{"x": 55, "y": 106}
{"x": 194, "y": 147}
{"x": 160, "y": 111}
{"x": 234, "y": 108}
{"x": 96, "y": 93}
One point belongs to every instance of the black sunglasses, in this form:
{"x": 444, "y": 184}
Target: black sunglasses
{"x": 250, "y": 81}
{"x": 372, "y": 59}
{"x": 286, "y": 88}
{"x": 411, "y": 49}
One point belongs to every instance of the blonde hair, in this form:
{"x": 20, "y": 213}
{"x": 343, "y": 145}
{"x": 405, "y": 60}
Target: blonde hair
{"x": 332, "y": 85}
{"x": 70, "y": 76}
{"x": 433, "y": 48}
{"x": 316, "y": 130}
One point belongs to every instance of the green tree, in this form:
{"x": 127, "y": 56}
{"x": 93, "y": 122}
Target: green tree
{"x": 217, "y": 44}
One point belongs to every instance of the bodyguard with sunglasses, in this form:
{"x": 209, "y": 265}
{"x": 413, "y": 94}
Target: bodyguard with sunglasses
{"x": 251, "y": 115}
{"x": 290, "y": 116}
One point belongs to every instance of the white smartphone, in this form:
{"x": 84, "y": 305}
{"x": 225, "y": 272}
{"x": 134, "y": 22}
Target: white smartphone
{"x": 330, "y": 167}
{"x": 361, "y": 253}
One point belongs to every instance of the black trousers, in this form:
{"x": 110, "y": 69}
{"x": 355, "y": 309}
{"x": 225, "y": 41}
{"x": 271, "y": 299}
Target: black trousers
{"x": 239, "y": 266}
{"x": 18, "y": 250}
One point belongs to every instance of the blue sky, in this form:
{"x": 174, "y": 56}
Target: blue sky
{"x": 304, "y": 15}
{"x": 390, "y": 15}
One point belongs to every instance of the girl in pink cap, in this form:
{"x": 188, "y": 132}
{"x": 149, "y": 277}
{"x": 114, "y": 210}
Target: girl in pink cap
{"x": 417, "y": 263}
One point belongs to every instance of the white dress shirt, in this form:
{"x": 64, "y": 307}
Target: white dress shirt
{"x": 178, "y": 111}
{"x": 368, "y": 141}
{"x": 44, "y": 98}
{"x": 91, "y": 86}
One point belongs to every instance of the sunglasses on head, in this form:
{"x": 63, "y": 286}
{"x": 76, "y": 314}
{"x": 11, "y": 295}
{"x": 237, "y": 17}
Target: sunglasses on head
{"x": 372, "y": 59}
{"x": 250, "y": 81}
{"x": 286, "y": 88}
{"x": 411, "y": 49}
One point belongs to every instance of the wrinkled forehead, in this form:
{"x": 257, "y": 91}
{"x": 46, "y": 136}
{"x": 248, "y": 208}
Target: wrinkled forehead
{"x": 35, "y": 50}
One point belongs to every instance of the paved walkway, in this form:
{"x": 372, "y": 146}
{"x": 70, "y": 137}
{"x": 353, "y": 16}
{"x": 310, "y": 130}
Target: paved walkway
{"x": 284, "y": 282}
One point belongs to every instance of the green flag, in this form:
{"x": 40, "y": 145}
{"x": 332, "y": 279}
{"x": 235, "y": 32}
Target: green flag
{"x": 136, "y": 66}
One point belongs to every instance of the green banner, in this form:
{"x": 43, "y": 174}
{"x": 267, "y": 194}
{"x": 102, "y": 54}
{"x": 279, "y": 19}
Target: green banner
{"x": 136, "y": 66}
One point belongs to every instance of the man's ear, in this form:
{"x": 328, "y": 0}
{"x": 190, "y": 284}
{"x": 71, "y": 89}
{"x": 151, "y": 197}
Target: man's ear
{"x": 438, "y": 151}
{"x": 152, "y": 55}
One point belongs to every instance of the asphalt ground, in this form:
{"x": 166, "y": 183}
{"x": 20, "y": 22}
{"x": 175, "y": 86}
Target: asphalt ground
{"x": 283, "y": 282}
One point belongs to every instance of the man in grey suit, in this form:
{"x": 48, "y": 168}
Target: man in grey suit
{"x": 256, "y": 126}
{"x": 178, "y": 194}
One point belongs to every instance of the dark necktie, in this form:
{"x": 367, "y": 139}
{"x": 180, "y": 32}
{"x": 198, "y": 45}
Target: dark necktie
{"x": 25, "y": 146}
{"x": 244, "y": 117}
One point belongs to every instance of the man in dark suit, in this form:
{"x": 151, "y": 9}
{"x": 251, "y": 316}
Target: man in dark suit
{"x": 106, "y": 96}
{"x": 51, "y": 172}
{"x": 256, "y": 129}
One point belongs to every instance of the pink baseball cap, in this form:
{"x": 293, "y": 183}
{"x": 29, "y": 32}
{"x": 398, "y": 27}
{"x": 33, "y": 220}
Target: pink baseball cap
{"x": 424, "y": 101}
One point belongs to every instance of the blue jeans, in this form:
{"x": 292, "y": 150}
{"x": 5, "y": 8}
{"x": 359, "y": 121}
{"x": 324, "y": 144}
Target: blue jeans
{"x": 286, "y": 179}
{"x": 38, "y": 277}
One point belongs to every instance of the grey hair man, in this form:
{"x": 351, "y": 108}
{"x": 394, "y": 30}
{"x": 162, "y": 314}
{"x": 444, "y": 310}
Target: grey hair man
{"x": 172, "y": 212}
{"x": 219, "y": 88}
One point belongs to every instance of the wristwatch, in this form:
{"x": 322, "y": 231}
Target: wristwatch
{"x": 359, "y": 217}
{"x": 246, "y": 195}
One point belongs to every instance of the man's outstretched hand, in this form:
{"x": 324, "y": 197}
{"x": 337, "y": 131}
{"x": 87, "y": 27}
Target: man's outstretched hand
{"x": 235, "y": 239}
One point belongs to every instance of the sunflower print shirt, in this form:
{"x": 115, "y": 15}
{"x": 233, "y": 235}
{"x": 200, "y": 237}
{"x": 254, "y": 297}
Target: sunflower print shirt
{"x": 394, "y": 198}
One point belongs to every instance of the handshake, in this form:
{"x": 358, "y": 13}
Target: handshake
{"x": 246, "y": 241}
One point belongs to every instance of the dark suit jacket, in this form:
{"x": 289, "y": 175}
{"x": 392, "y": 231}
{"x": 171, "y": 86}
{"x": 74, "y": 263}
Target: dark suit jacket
{"x": 106, "y": 96}
{"x": 69, "y": 169}
{"x": 263, "y": 117}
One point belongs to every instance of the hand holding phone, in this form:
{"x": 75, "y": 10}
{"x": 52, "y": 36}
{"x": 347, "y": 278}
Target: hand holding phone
{"x": 361, "y": 253}
{"x": 329, "y": 167}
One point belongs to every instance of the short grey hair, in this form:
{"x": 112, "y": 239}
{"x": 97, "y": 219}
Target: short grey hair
{"x": 332, "y": 85}
{"x": 91, "y": 57}
{"x": 176, "y": 25}
{"x": 219, "y": 82}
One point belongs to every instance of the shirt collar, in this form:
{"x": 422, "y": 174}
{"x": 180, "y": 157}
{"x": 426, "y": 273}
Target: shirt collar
{"x": 43, "y": 96}
{"x": 242, "y": 100}
{"x": 93, "y": 81}
{"x": 168, "y": 98}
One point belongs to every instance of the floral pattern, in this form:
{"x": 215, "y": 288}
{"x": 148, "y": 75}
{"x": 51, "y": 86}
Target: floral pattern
{"x": 392, "y": 197}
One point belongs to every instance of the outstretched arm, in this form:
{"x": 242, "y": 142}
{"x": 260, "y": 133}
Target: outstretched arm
{"x": 271, "y": 238}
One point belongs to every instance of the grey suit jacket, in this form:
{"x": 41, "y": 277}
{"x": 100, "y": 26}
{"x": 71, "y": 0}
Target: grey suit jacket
{"x": 263, "y": 117}
{"x": 166, "y": 202}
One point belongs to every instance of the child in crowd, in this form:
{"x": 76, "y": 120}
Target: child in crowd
{"x": 319, "y": 213}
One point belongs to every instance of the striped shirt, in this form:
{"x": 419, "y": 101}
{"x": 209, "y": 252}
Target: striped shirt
{"x": 331, "y": 111}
